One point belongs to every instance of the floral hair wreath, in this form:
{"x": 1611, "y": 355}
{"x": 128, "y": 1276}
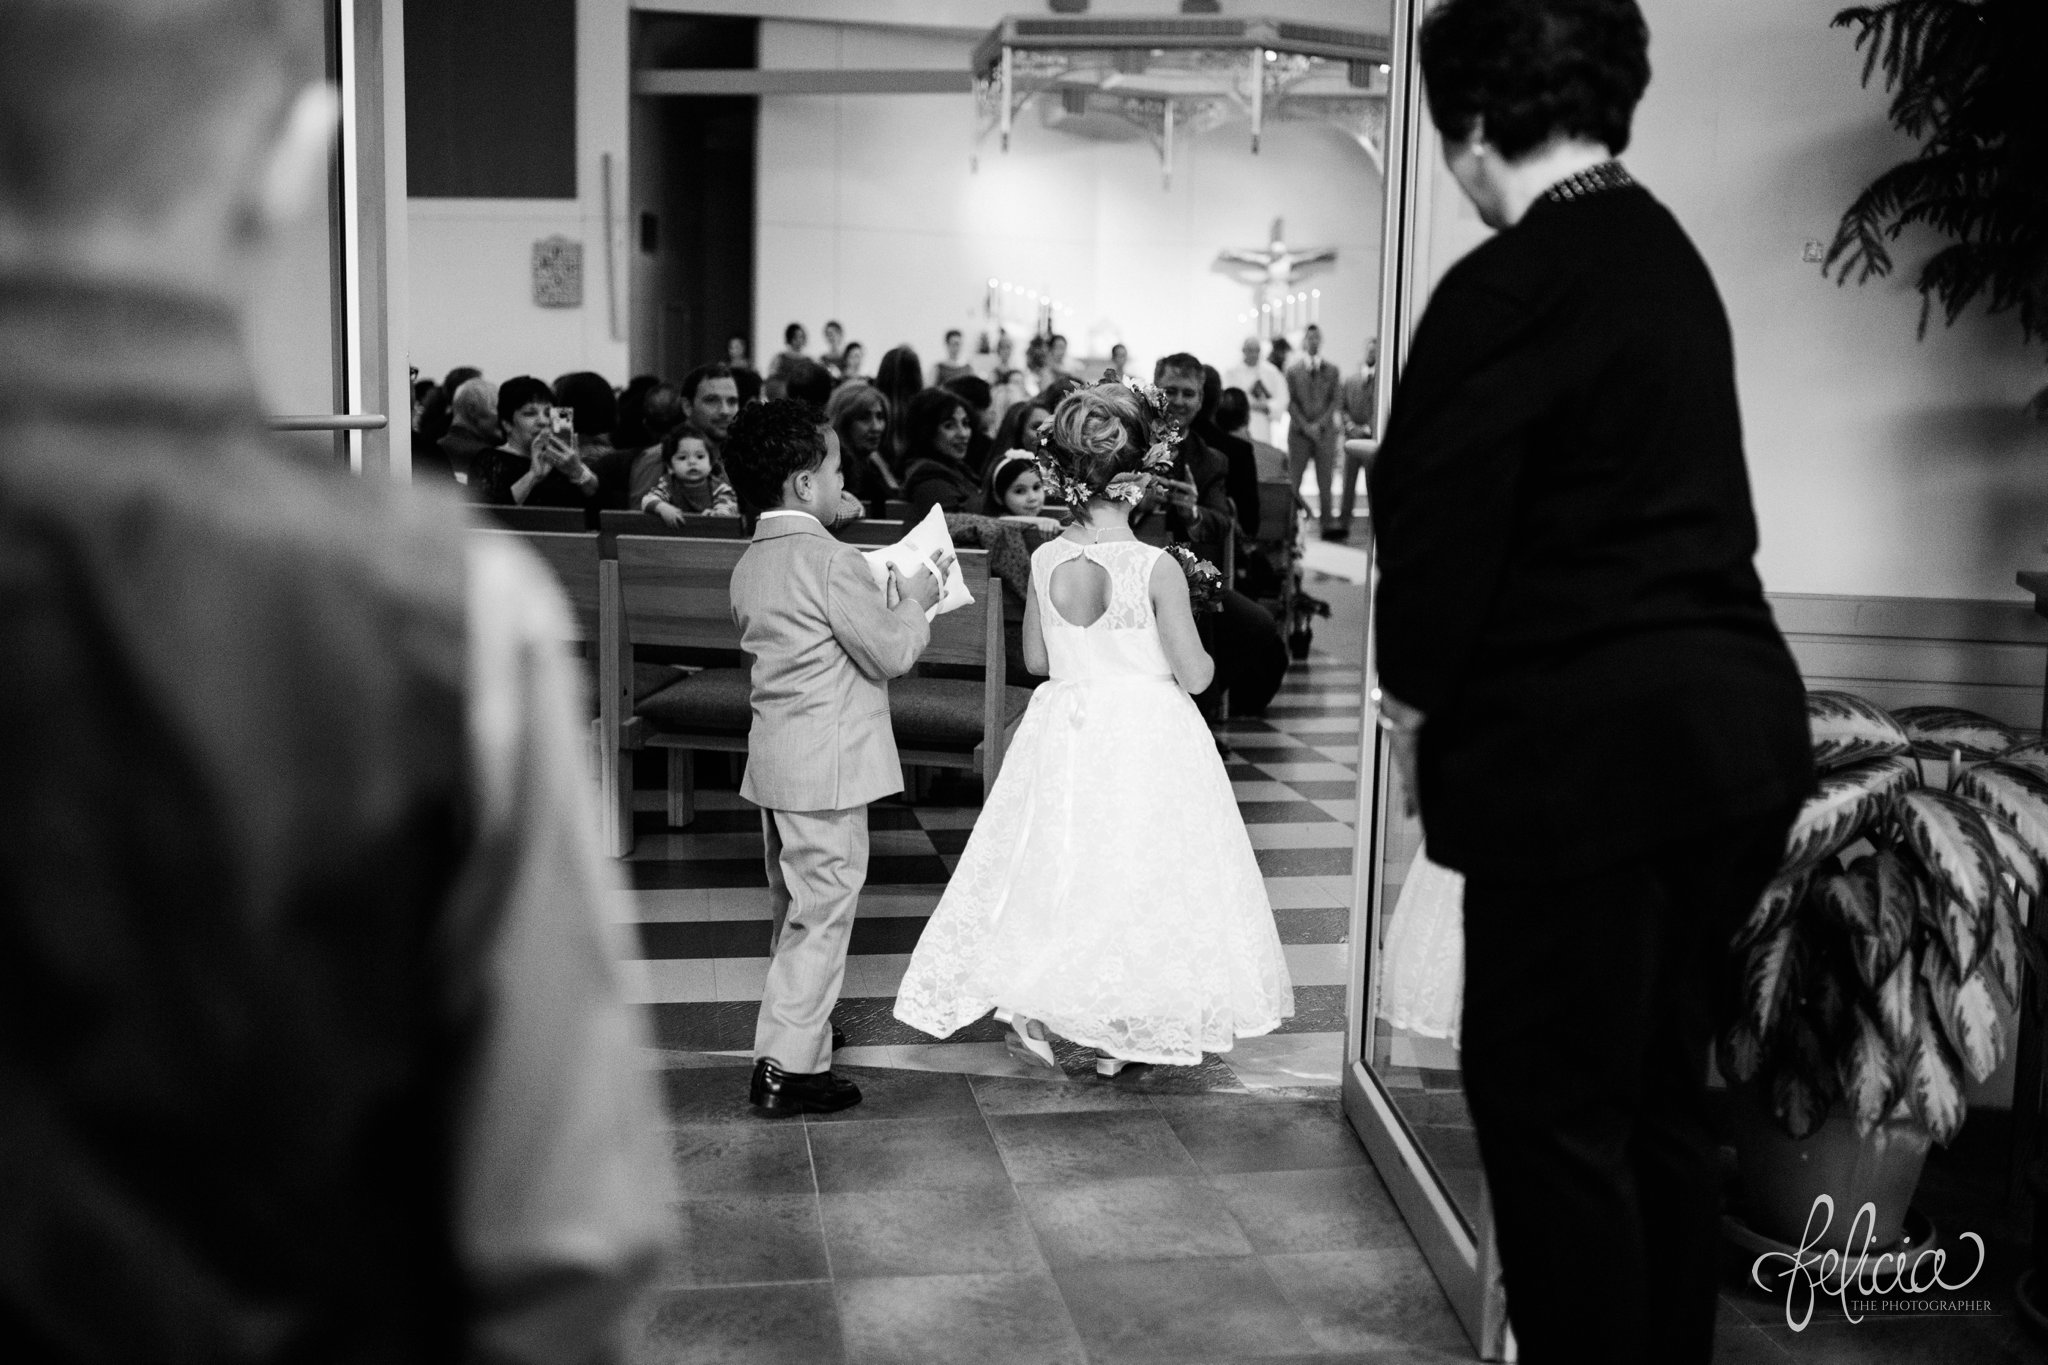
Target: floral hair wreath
{"x": 1076, "y": 492}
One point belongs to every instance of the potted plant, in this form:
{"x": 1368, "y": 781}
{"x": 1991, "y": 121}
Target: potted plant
{"x": 1966, "y": 84}
{"x": 1878, "y": 970}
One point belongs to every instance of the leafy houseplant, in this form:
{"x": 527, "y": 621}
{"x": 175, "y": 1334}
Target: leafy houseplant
{"x": 1965, "y": 77}
{"x": 1871, "y": 969}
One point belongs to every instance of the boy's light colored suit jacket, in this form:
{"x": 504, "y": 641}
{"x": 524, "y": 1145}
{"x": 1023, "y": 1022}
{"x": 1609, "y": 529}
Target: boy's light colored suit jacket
{"x": 824, "y": 646}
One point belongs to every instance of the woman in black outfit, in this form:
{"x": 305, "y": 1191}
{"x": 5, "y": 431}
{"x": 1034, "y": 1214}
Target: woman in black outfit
{"x": 534, "y": 468}
{"x": 1588, "y": 693}
{"x": 935, "y": 440}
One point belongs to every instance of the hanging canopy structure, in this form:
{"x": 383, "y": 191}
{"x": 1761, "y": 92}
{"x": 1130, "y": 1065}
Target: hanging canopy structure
{"x": 1174, "y": 77}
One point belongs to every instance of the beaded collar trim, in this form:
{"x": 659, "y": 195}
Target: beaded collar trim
{"x": 1608, "y": 175}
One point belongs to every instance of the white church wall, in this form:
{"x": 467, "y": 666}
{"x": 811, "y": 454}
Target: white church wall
{"x": 1882, "y": 466}
{"x": 868, "y": 213}
{"x": 470, "y": 268}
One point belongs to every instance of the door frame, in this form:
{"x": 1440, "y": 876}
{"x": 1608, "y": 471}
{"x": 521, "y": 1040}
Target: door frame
{"x": 1465, "y": 1262}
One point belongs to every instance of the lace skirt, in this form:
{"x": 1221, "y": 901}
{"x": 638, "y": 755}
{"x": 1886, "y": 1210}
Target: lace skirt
{"x": 1108, "y": 889}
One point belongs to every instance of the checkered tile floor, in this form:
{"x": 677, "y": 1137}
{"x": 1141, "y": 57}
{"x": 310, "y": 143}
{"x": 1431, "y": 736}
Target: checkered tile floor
{"x": 699, "y": 898}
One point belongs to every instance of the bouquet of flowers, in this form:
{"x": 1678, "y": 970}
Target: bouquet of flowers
{"x": 1205, "y": 580}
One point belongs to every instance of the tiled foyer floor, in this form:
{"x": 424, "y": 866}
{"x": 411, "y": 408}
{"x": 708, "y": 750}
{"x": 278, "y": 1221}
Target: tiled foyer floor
{"x": 977, "y": 1211}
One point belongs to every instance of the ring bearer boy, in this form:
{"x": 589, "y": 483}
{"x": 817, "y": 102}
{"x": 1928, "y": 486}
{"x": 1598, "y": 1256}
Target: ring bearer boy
{"x": 824, "y": 641}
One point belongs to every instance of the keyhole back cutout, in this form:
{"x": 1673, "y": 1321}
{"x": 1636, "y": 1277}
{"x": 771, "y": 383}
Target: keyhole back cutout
{"x": 1080, "y": 591}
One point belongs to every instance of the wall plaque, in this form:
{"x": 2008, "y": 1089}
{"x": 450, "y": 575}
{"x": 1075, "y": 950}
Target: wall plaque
{"x": 558, "y": 273}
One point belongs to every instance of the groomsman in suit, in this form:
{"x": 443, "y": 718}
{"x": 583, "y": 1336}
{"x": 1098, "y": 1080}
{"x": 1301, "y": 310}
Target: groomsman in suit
{"x": 1357, "y": 409}
{"x": 1312, "y": 386}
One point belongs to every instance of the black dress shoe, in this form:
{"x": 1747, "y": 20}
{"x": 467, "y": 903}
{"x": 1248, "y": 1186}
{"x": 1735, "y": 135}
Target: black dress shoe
{"x": 788, "y": 1092}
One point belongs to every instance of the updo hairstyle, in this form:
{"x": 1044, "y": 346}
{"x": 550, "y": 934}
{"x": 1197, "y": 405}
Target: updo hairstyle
{"x": 1098, "y": 433}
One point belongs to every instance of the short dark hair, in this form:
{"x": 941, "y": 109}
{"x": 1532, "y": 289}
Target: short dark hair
{"x": 521, "y": 389}
{"x": 1531, "y": 70}
{"x": 833, "y": 323}
{"x": 973, "y": 388}
{"x": 696, "y": 378}
{"x": 808, "y": 382}
{"x": 663, "y": 410}
{"x": 928, "y": 412}
{"x": 595, "y": 401}
{"x": 769, "y": 442}
{"x": 791, "y": 333}
{"x": 459, "y": 376}
{"x": 952, "y": 332}
{"x": 1180, "y": 362}
{"x": 1233, "y": 410}
{"x": 1056, "y": 337}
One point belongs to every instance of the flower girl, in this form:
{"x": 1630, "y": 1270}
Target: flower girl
{"x": 1108, "y": 893}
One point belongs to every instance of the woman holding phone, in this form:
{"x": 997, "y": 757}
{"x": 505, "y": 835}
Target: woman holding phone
{"x": 539, "y": 464}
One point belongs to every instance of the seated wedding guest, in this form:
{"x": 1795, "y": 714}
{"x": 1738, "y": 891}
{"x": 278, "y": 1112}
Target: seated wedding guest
{"x": 1191, "y": 503}
{"x": 1569, "y": 614}
{"x": 439, "y": 412}
{"x": 315, "y": 1044}
{"x": 736, "y": 357}
{"x": 859, "y": 413}
{"x": 1056, "y": 359}
{"x": 952, "y": 367}
{"x": 1008, "y": 384}
{"x": 794, "y": 339}
{"x": 747, "y": 387}
{"x": 662, "y": 411}
{"x": 1014, "y": 488}
{"x": 632, "y": 432}
{"x": 429, "y": 406}
{"x": 595, "y": 405}
{"x": 710, "y": 400}
{"x": 900, "y": 377}
{"x": 935, "y": 471}
{"x": 852, "y": 360}
{"x": 1241, "y": 484}
{"x": 692, "y": 483}
{"x": 1192, "y": 507}
{"x": 1263, "y": 385}
{"x": 1234, "y": 416}
{"x": 973, "y": 390}
{"x": 594, "y": 408}
{"x": 808, "y": 381}
{"x": 835, "y": 348}
{"x": 534, "y": 467}
{"x": 475, "y": 427}
{"x": 1020, "y": 429}
{"x": 1040, "y": 375}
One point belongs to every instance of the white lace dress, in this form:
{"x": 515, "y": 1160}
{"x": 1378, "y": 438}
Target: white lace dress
{"x": 1109, "y": 888}
{"x": 1423, "y": 988}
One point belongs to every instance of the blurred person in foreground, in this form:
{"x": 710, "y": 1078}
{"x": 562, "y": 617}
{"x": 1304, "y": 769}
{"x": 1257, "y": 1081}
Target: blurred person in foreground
{"x": 1588, "y": 695}
{"x": 314, "y": 1046}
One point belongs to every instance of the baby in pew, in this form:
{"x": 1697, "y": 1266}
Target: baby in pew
{"x": 824, "y": 641}
{"x": 692, "y": 482}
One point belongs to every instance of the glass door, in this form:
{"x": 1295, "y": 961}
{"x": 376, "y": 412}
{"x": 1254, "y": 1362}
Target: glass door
{"x": 1402, "y": 1086}
{"x": 326, "y": 330}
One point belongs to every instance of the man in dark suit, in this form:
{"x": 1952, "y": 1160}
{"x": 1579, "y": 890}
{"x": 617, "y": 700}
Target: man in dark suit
{"x": 1312, "y": 427}
{"x": 1606, "y": 733}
